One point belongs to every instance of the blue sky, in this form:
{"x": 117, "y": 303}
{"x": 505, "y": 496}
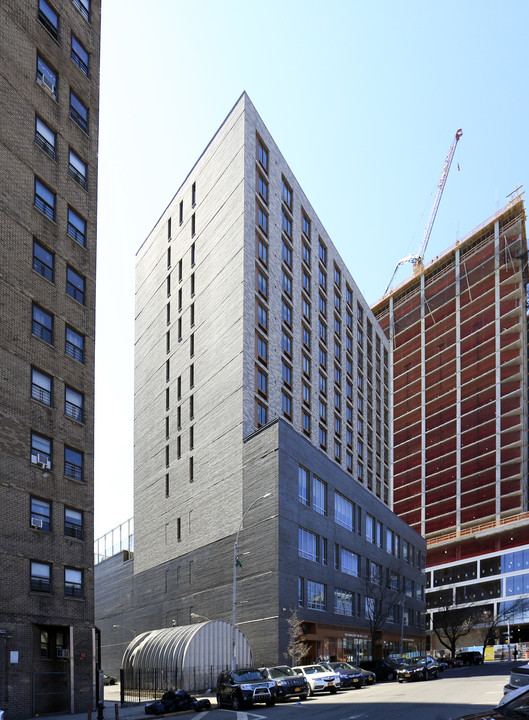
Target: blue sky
{"x": 362, "y": 98}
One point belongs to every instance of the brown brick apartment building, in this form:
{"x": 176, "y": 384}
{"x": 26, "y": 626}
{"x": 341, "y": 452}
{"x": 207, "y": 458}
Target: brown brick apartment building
{"x": 458, "y": 335}
{"x": 49, "y": 89}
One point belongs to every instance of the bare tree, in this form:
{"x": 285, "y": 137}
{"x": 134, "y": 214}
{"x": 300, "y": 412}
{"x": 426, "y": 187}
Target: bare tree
{"x": 451, "y": 624}
{"x": 383, "y": 594}
{"x": 296, "y": 647}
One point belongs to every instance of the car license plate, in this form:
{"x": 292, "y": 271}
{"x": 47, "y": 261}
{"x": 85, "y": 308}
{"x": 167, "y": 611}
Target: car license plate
{"x": 407, "y": 675}
{"x": 260, "y": 691}
{"x": 329, "y": 684}
{"x": 297, "y": 689}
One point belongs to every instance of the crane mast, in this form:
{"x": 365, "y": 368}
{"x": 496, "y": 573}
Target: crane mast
{"x": 417, "y": 258}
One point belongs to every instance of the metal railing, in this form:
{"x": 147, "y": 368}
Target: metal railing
{"x": 140, "y": 685}
{"x": 478, "y": 528}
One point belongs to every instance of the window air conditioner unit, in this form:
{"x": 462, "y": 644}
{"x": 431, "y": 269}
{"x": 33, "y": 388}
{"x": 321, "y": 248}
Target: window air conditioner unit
{"x": 36, "y": 522}
{"x": 62, "y": 653}
{"x": 43, "y": 461}
{"x": 47, "y": 83}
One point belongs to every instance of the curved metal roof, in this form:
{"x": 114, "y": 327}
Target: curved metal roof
{"x": 187, "y": 648}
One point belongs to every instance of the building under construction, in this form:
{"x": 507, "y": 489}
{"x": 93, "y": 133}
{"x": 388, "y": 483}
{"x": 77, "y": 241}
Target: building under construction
{"x": 458, "y": 337}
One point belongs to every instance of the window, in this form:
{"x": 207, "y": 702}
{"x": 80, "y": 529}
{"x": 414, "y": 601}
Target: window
{"x": 322, "y": 356}
{"x": 286, "y": 405}
{"x": 343, "y": 602}
{"x": 322, "y": 436}
{"x": 286, "y": 343}
{"x": 337, "y": 302}
{"x": 77, "y": 169}
{"x": 306, "y": 337}
{"x": 84, "y": 8}
{"x": 262, "y": 316}
{"x": 305, "y": 309}
{"x": 73, "y": 523}
{"x": 316, "y": 595}
{"x": 322, "y": 328}
{"x": 262, "y": 250}
{"x": 78, "y": 112}
{"x": 262, "y": 283}
{"x": 262, "y": 382}
{"x": 262, "y": 187}
{"x": 286, "y": 372}
{"x": 303, "y": 485}
{"x": 305, "y": 279}
{"x": 307, "y": 545}
{"x": 43, "y": 261}
{"x": 41, "y": 387}
{"x": 40, "y": 514}
{"x": 73, "y": 464}
{"x": 322, "y": 252}
{"x": 193, "y": 225}
{"x": 343, "y": 512}
{"x": 75, "y": 285}
{"x": 306, "y": 422}
{"x": 74, "y": 345}
{"x": 73, "y": 582}
{"x": 49, "y": 18}
{"x": 262, "y": 219}
{"x": 286, "y": 224}
{"x": 193, "y": 194}
{"x": 76, "y": 227}
{"x": 306, "y": 393}
{"x": 286, "y": 194}
{"x": 41, "y": 451}
{"x": 349, "y": 562}
{"x": 370, "y": 528}
{"x": 181, "y": 212}
{"x": 323, "y": 384}
{"x": 40, "y": 577}
{"x": 80, "y": 56}
{"x": 306, "y": 253}
{"x": 74, "y": 404}
{"x": 262, "y": 154}
{"x": 322, "y": 278}
{"x": 286, "y": 282}
{"x": 42, "y": 324}
{"x": 301, "y": 591}
{"x": 322, "y": 305}
{"x": 306, "y": 225}
{"x": 44, "y": 199}
{"x": 286, "y": 313}
{"x": 305, "y": 364}
{"x": 46, "y": 77}
{"x": 319, "y": 495}
{"x": 261, "y": 414}
{"x": 286, "y": 252}
{"x": 45, "y": 138}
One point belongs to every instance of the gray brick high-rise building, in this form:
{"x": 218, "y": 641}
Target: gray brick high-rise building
{"x": 49, "y": 90}
{"x": 260, "y": 369}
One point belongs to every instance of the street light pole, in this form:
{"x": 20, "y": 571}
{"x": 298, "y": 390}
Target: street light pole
{"x": 235, "y": 546}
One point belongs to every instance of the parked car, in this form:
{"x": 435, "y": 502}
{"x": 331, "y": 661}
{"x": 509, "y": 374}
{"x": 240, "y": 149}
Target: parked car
{"x": 243, "y": 687}
{"x": 453, "y": 662}
{"x": 369, "y": 677}
{"x": 108, "y": 679}
{"x": 418, "y": 669}
{"x": 349, "y": 676}
{"x": 383, "y": 669}
{"x": 513, "y": 705}
{"x": 519, "y": 678}
{"x": 470, "y": 657}
{"x": 319, "y": 678}
{"x": 289, "y": 683}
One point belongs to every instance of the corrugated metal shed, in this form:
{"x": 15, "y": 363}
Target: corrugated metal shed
{"x": 188, "y": 650}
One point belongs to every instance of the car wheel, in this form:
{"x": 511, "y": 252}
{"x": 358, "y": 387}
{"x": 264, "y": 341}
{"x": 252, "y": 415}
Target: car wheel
{"x": 236, "y": 704}
{"x": 219, "y": 701}
{"x": 271, "y": 702}
{"x": 303, "y": 697}
{"x": 333, "y": 690}
{"x": 400, "y": 680}
{"x": 390, "y": 676}
{"x": 311, "y": 691}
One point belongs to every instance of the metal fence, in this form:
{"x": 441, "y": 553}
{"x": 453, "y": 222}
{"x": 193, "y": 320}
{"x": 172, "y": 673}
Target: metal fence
{"x": 140, "y": 685}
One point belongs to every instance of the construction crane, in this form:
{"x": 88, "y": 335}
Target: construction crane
{"x": 416, "y": 259}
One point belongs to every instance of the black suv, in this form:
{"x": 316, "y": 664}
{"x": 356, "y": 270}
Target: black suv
{"x": 470, "y": 657}
{"x": 384, "y": 669}
{"x": 244, "y": 686}
{"x": 289, "y": 683}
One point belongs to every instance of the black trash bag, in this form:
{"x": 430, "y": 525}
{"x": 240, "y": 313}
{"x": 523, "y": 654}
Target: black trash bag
{"x": 155, "y": 708}
{"x": 174, "y": 700}
{"x": 198, "y": 705}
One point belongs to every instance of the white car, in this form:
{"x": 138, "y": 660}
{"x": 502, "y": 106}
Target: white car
{"x": 319, "y": 678}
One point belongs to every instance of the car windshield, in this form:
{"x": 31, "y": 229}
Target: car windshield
{"x": 311, "y": 669}
{"x": 281, "y": 671}
{"x": 248, "y": 676}
{"x": 342, "y": 666}
{"x": 412, "y": 661}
